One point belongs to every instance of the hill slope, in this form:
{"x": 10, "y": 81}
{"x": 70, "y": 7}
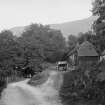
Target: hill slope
{"x": 67, "y": 28}
{"x": 75, "y": 27}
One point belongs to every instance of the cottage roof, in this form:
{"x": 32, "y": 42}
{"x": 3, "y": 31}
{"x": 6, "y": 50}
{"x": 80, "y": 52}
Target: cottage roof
{"x": 87, "y": 49}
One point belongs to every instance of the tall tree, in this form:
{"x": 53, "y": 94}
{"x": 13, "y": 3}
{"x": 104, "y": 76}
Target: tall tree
{"x": 72, "y": 40}
{"x": 99, "y": 25}
{"x": 42, "y": 44}
{"x": 99, "y": 10}
{"x": 9, "y": 51}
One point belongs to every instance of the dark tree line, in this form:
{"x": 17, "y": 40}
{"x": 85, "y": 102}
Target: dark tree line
{"x": 36, "y": 47}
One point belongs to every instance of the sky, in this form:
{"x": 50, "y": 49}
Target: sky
{"x": 24, "y": 12}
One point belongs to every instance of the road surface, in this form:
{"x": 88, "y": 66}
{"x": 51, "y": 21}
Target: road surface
{"x": 21, "y": 93}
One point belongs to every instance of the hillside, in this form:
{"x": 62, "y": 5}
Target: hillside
{"x": 18, "y": 30}
{"x": 73, "y": 27}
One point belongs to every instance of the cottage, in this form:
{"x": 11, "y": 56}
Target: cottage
{"x": 87, "y": 53}
{"x": 84, "y": 54}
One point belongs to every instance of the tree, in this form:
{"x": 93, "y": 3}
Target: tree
{"x": 37, "y": 45}
{"x": 72, "y": 40}
{"x": 10, "y": 53}
{"x": 99, "y": 10}
{"x": 99, "y": 24}
{"x": 41, "y": 44}
{"x": 87, "y": 36}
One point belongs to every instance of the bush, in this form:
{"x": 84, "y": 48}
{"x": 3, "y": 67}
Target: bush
{"x": 78, "y": 88}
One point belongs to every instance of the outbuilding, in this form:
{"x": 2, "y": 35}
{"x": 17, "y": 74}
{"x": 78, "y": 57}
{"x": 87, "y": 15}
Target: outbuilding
{"x": 87, "y": 53}
{"x": 84, "y": 53}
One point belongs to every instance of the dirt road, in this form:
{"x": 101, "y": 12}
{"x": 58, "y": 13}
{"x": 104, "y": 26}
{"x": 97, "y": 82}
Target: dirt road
{"x": 21, "y": 93}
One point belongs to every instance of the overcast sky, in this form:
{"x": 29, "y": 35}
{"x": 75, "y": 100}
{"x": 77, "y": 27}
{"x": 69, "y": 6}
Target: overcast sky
{"x": 24, "y": 12}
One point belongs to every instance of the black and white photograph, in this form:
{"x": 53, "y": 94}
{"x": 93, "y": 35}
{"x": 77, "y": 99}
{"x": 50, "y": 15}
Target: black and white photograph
{"x": 52, "y": 52}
